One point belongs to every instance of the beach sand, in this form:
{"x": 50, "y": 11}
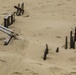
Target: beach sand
{"x": 44, "y": 22}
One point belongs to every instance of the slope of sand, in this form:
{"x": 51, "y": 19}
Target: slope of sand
{"x": 49, "y": 22}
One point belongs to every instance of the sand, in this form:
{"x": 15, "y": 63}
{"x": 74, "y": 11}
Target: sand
{"x": 49, "y": 22}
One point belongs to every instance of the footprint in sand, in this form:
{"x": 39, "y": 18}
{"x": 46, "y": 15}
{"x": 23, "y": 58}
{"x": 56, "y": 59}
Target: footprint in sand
{"x": 39, "y": 63}
{"x": 25, "y": 16}
{"x": 35, "y": 73}
{"x": 59, "y": 4}
{"x": 63, "y": 17}
{"x": 16, "y": 73}
{"x": 55, "y": 69}
{"x": 73, "y": 14}
{"x": 8, "y": 10}
{"x": 58, "y": 71}
{"x": 48, "y": 27}
{"x": 4, "y": 13}
{"x": 48, "y": 1}
{"x": 58, "y": 36}
{"x": 2, "y": 60}
{"x": 74, "y": 68}
{"x": 26, "y": 69}
{"x": 72, "y": 60}
{"x": 4, "y": 7}
{"x": 72, "y": 73}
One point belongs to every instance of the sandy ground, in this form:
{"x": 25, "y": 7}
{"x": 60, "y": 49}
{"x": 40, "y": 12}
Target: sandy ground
{"x": 49, "y": 22}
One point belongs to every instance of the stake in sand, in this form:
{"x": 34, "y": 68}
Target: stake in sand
{"x": 20, "y": 10}
{"x": 46, "y": 52}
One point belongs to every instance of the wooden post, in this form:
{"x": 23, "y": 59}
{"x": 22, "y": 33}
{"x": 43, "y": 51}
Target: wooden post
{"x": 5, "y": 31}
{"x": 66, "y": 43}
{"x": 14, "y": 17}
{"x": 75, "y": 35}
{"x": 6, "y": 42}
{"x": 5, "y": 23}
{"x": 45, "y": 55}
{"x": 11, "y": 18}
{"x": 46, "y": 52}
{"x": 57, "y": 50}
{"x": 71, "y": 40}
{"x": 4, "y": 28}
{"x": 22, "y": 7}
{"x": 8, "y": 20}
{"x": 73, "y": 44}
{"x": 18, "y": 11}
{"x": 18, "y": 8}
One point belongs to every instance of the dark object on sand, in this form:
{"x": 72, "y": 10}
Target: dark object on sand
{"x": 20, "y": 10}
{"x": 46, "y": 52}
{"x": 57, "y": 50}
{"x": 66, "y": 43}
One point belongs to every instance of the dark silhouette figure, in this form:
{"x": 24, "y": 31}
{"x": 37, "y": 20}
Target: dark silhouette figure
{"x": 46, "y": 52}
{"x": 57, "y": 50}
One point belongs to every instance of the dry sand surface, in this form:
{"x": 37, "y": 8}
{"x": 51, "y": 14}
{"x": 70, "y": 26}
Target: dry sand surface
{"x": 49, "y": 22}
